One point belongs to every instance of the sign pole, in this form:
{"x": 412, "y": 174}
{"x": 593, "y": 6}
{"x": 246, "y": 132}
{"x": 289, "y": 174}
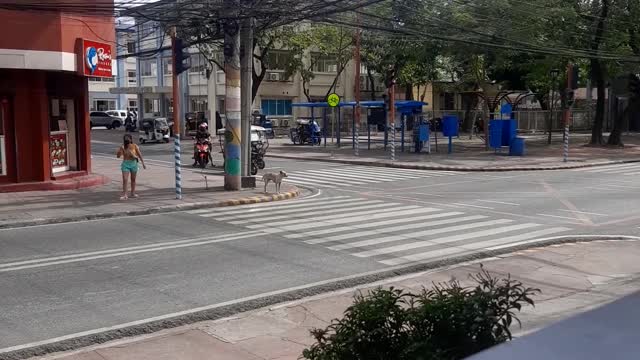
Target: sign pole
{"x": 176, "y": 118}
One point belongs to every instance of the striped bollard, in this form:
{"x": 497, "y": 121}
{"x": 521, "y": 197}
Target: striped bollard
{"x": 565, "y": 152}
{"x": 176, "y": 153}
{"x": 357, "y": 141}
{"x": 393, "y": 142}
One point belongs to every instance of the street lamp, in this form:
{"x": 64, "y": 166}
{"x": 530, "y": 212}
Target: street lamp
{"x": 554, "y": 73}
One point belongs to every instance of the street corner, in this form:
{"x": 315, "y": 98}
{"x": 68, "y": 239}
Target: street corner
{"x": 290, "y": 193}
{"x": 60, "y": 183}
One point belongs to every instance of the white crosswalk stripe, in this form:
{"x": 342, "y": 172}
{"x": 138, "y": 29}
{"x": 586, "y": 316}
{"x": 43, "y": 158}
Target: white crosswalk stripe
{"x": 346, "y": 176}
{"x": 629, "y": 169}
{"x": 389, "y": 233}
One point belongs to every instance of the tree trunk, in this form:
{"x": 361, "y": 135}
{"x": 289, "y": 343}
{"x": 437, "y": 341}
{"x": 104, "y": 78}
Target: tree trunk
{"x": 257, "y": 80}
{"x": 372, "y": 83}
{"x": 408, "y": 92}
{"x": 596, "y": 132}
{"x": 616, "y": 133}
{"x": 597, "y": 73}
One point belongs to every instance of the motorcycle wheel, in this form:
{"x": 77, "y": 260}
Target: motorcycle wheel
{"x": 254, "y": 168}
{"x": 260, "y": 163}
{"x": 202, "y": 162}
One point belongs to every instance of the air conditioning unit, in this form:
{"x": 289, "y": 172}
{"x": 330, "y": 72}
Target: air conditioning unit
{"x": 273, "y": 76}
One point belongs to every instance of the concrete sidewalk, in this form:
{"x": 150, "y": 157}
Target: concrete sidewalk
{"x": 573, "y": 277}
{"x": 468, "y": 155}
{"x": 156, "y": 188}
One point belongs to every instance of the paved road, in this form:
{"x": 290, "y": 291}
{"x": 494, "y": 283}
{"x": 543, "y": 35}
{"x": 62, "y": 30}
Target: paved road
{"x": 72, "y": 278}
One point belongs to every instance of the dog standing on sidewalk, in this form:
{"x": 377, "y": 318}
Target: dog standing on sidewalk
{"x": 276, "y": 178}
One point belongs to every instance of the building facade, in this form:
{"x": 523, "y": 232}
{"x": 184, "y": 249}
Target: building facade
{"x": 44, "y": 125}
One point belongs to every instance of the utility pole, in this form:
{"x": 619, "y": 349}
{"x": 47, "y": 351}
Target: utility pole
{"x": 357, "y": 110}
{"x": 246, "y": 88}
{"x": 176, "y": 113}
{"x": 233, "y": 128}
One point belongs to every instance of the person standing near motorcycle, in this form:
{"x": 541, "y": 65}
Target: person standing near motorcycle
{"x": 131, "y": 155}
{"x": 202, "y": 136}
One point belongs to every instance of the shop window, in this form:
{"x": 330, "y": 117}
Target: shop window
{"x": 103, "y": 105}
{"x": 276, "y": 107}
{"x": 152, "y": 106}
{"x": 62, "y": 146}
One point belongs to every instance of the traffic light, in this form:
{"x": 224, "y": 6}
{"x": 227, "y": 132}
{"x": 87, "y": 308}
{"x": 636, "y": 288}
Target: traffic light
{"x": 182, "y": 57}
{"x": 570, "y": 97}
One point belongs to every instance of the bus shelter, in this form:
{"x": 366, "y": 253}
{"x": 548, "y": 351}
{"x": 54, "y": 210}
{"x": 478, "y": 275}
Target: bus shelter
{"x": 403, "y": 107}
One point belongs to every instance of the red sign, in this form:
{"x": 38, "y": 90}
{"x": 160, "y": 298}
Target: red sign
{"x": 58, "y": 148}
{"x": 96, "y": 57}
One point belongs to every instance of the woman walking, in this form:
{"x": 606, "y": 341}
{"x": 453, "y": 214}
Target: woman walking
{"x": 130, "y": 154}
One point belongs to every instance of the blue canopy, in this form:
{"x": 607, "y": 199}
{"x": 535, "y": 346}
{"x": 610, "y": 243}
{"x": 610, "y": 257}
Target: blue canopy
{"x": 401, "y": 105}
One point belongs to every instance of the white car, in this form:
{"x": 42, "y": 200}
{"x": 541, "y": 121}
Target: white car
{"x": 122, "y": 114}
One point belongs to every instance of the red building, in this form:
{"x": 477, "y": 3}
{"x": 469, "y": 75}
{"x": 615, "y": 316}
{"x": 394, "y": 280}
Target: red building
{"x": 45, "y": 58}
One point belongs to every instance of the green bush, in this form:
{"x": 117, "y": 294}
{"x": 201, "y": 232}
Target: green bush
{"x": 447, "y": 322}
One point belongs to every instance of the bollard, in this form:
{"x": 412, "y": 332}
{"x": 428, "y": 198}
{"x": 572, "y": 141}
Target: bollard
{"x": 356, "y": 140}
{"x": 393, "y": 142}
{"x": 565, "y": 152}
{"x": 176, "y": 153}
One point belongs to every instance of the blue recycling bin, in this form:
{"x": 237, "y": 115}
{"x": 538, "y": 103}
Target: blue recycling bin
{"x": 495, "y": 134}
{"x": 450, "y": 125}
{"x": 517, "y": 147}
{"x": 509, "y": 131}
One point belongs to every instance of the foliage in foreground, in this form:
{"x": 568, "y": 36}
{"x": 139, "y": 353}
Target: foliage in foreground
{"x": 446, "y": 322}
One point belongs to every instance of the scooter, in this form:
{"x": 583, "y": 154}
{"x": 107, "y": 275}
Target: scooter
{"x": 202, "y": 154}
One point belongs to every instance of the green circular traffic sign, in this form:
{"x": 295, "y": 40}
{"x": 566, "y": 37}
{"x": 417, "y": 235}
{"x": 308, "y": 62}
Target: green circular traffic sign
{"x": 333, "y": 100}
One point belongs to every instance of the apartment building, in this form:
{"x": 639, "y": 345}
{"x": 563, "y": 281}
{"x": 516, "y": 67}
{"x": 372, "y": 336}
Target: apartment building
{"x": 125, "y": 75}
{"x": 152, "y": 87}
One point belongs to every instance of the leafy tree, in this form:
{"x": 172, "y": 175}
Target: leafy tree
{"x": 312, "y": 43}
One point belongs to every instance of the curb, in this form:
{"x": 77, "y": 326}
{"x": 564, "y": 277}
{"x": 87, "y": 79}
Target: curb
{"x": 86, "y": 181}
{"x": 295, "y": 192}
{"x": 453, "y": 167}
{"x": 223, "y": 310}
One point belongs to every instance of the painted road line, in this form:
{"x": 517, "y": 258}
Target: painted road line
{"x": 348, "y": 175}
{"x": 129, "y": 252}
{"x": 424, "y": 243}
{"x": 582, "y": 212}
{"x": 468, "y": 247}
{"x": 398, "y": 229}
{"x": 621, "y": 186}
{"x": 301, "y": 216}
{"x": 352, "y": 219}
{"x": 498, "y": 202}
{"x": 294, "y": 208}
{"x": 606, "y": 168}
{"x": 370, "y": 225}
{"x": 306, "y": 223}
{"x": 386, "y": 174}
{"x": 408, "y": 171}
{"x": 307, "y": 183}
{"x": 279, "y": 205}
{"x": 337, "y": 178}
{"x": 330, "y": 180}
{"x": 560, "y": 217}
{"x": 129, "y": 248}
{"x": 414, "y": 235}
{"x": 473, "y": 206}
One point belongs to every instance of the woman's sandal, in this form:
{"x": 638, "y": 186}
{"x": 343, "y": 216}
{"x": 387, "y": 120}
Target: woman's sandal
{"x": 124, "y": 197}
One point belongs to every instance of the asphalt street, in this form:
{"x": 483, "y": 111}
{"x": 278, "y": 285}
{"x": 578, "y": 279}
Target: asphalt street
{"x": 68, "y": 279}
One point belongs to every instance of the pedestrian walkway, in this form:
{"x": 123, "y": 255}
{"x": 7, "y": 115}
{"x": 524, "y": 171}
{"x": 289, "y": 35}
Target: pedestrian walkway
{"x": 390, "y": 233}
{"x": 347, "y": 176}
{"x": 626, "y": 169}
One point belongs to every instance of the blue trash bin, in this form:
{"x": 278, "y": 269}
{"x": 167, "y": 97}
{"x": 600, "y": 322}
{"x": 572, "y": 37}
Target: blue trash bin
{"x": 517, "y": 147}
{"x": 450, "y": 125}
{"x": 509, "y": 131}
{"x": 495, "y": 134}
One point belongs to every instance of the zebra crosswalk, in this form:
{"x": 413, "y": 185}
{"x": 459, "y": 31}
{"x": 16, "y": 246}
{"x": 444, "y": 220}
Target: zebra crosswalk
{"x": 388, "y": 232}
{"x": 629, "y": 169}
{"x": 346, "y": 176}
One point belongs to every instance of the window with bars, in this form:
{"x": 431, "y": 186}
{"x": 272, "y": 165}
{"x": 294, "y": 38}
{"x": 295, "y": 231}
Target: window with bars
{"x": 324, "y": 64}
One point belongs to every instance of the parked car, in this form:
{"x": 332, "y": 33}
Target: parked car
{"x": 122, "y": 114}
{"x": 102, "y": 118}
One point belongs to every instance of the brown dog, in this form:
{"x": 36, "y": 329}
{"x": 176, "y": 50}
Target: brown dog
{"x": 276, "y": 178}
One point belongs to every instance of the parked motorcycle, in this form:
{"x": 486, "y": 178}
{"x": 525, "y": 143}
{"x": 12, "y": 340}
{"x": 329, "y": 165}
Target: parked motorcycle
{"x": 130, "y": 124}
